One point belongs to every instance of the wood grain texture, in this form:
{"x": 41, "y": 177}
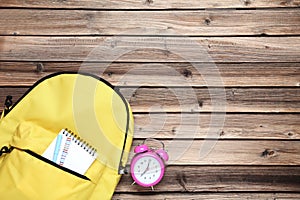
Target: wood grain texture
{"x": 201, "y": 126}
{"x": 208, "y": 196}
{"x": 175, "y": 84}
{"x": 183, "y": 23}
{"x": 151, "y": 49}
{"x": 150, "y": 4}
{"x": 164, "y": 100}
{"x": 159, "y": 74}
{"x": 198, "y": 126}
{"x": 221, "y": 179}
{"x": 213, "y": 99}
{"x": 231, "y": 152}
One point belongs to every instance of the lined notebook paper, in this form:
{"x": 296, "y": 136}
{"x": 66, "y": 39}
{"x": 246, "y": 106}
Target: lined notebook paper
{"x": 69, "y": 151}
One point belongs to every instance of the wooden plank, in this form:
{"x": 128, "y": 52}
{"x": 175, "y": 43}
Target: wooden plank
{"x": 150, "y": 4}
{"x": 221, "y": 179}
{"x": 188, "y": 23}
{"x": 236, "y": 126}
{"x": 213, "y": 99}
{"x": 184, "y": 125}
{"x": 231, "y": 152}
{"x": 151, "y": 49}
{"x": 208, "y": 196}
{"x": 201, "y": 99}
{"x": 159, "y": 74}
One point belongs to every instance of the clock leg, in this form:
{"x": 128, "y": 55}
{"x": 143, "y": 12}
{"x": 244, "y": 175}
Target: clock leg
{"x": 133, "y": 183}
{"x": 152, "y": 188}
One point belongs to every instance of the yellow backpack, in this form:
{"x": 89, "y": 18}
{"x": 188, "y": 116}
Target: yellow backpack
{"x": 89, "y": 106}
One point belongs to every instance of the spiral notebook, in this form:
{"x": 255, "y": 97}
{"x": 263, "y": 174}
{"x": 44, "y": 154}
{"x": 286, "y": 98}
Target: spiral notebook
{"x": 69, "y": 151}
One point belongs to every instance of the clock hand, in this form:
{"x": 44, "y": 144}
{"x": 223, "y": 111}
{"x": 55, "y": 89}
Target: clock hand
{"x": 154, "y": 170}
{"x": 147, "y": 169}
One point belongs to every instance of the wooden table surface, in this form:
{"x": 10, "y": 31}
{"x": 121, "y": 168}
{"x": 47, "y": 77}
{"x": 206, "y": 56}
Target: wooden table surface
{"x": 217, "y": 81}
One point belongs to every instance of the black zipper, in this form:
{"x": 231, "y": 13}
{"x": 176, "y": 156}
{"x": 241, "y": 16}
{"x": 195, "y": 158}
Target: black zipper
{"x": 54, "y": 164}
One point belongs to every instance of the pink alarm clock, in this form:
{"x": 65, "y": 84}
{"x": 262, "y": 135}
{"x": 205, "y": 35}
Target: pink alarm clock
{"x": 148, "y": 165}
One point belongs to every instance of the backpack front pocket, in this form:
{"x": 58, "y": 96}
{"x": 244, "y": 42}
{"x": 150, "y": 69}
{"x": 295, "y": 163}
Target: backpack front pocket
{"x": 27, "y": 177}
{"x": 26, "y": 174}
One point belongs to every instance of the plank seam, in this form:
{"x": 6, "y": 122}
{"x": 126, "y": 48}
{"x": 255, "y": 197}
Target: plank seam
{"x": 151, "y": 9}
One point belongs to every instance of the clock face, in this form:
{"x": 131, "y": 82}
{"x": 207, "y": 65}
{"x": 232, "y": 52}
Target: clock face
{"x": 147, "y": 169}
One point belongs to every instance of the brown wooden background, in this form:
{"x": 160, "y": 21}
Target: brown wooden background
{"x": 254, "y": 43}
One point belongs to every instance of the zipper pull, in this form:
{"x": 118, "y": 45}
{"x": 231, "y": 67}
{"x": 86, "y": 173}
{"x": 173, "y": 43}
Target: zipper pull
{"x": 8, "y": 101}
{"x": 5, "y": 149}
{"x": 123, "y": 170}
{"x": 7, "y": 105}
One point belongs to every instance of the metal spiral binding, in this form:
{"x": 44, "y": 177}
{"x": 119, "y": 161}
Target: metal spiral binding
{"x": 80, "y": 142}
